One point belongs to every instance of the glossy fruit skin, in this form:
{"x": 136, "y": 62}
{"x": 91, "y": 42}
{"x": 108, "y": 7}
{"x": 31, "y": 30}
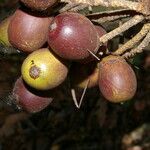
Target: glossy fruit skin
{"x": 117, "y": 80}
{"x": 27, "y": 32}
{"x": 4, "y": 31}
{"x": 39, "y": 4}
{"x": 100, "y": 31}
{"x": 71, "y": 35}
{"x": 42, "y": 70}
{"x": 29, "y": 99}
{"x": 83, "y": 73}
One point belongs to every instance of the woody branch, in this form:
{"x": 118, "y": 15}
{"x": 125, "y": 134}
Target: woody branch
{"x": 137, "y": 6}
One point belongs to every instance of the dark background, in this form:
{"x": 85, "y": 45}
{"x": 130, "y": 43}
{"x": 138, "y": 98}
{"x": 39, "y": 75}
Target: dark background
{"x": 97, "y": 125}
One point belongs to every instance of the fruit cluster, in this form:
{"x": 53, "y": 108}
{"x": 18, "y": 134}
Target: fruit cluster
{"x": 58, "y": 44}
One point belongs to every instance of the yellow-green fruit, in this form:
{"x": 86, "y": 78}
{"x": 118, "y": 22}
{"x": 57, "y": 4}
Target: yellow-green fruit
{"x": 4, "y": 31}
{"x": 42, "y": 70}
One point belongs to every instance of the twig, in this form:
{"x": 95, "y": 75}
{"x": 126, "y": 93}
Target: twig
{"x": 110, "y": 18}
{"x": 140, "y": 48}
{"x": 74, "y": 7}
{"x": 132, "y": 22}
{"x": 145, "y": 5}
{"x": 78, "y": 105}
{"x": 79, "y": 7}
{"x": 109, "y": 13}
{"x": 136, "y": 6}
{"x": 139, "y": 36}
{"x": 68, "y": 7}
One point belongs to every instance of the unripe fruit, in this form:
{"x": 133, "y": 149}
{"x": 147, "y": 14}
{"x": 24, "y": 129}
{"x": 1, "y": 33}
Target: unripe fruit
{"x": 29, "y": 99}
{"x": 27, "y": 32}
{"x": 42, "y": 70}
{"x": 72, "y": 36}
{"x": 39, "y": 4}
{"x": 82, "y": 74}
{"x": 117, "y": 80}
{"x": 4, "y": 31}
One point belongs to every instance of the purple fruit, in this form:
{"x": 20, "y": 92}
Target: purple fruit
{"x": 72, "y": 36}
{"x": 27, "y": 32}
{"x": 30, "y": 99}
{"x": 117, "y": 80}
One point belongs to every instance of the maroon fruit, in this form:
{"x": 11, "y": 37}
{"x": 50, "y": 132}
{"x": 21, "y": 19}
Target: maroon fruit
{"x": 29, "y": 99}
{"x": 72, "y": 36}
{"x": 27, "y": 32}
{"x": 39, "y": 4}
{"x": 117, "y": 80}
{"x": 101, "y": 31}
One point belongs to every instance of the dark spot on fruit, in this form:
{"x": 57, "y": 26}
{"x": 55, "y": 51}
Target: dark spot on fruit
{"x": 34, "y": 72}
{"x": 32, "y": 62}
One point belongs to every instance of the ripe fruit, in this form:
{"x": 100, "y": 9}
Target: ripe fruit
{"x": 81, "y": 74}
{"x": 39, "y": 4}
{"x": 72, "y": 36}
{"x": 101, "y": 31}
{"x": 117, "y": 80}
{"x": 27, "y": 32}
{"x": 42, "y": 70}
{"x": 4, "y": 31}
{"x": 29, "y": 99}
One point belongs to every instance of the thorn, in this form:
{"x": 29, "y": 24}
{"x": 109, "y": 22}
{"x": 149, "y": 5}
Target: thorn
{"x": 78, "y": 105}
{"x": 74, "y": 97}
{"x": 93, "y": 55}
{"x": 83, "y": 94}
